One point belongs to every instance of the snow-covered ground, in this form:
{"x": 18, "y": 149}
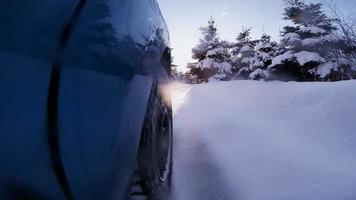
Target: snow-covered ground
{"x": 247, "y": 140}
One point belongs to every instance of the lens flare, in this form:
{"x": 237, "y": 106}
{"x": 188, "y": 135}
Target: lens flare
{"x": 180, "y": 95}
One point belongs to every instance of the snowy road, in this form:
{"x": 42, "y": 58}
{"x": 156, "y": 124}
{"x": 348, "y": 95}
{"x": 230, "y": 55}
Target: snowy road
{"x": 248, "y": 140}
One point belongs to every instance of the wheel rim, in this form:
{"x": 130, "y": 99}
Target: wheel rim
{"x": 155, "y": 152}
{"x": 164, "y": 146}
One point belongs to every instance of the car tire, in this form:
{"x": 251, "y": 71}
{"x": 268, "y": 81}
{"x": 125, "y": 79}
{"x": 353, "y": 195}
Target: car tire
{"x": 152, "y": 177}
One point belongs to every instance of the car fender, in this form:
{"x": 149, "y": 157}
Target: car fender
{"x": 100, "y": 122}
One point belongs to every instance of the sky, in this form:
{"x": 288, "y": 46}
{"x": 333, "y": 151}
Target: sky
{"x": 184, "y": 17}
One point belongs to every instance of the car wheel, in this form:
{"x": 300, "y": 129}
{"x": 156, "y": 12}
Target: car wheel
{"x": 153, "y": 175}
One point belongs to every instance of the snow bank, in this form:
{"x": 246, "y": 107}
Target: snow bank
{"x": 274, "y": 140}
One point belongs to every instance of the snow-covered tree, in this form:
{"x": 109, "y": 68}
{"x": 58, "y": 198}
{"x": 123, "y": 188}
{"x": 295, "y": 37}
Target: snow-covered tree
{"x": 191, "y": 76}
{"x": 347, "y": 31}
{"x": 243, "y": 54}
{"x": 209, "y": 41}
{"x": 213, "y": 56}
{"x": 176, "y": 74}
{"x": 307, "y": 48}
{"x": 264, "y": 53}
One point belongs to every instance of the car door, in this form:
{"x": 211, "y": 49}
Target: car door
{"x": 29, "y": 40}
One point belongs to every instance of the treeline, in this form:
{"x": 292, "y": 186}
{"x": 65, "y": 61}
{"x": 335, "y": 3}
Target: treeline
{"x": 315, "y": 47}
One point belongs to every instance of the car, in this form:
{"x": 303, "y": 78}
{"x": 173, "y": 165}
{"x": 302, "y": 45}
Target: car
{"x": 85, "y": 109}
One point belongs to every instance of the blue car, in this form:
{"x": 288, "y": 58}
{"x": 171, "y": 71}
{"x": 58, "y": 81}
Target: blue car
{"x": 85, "y": 112}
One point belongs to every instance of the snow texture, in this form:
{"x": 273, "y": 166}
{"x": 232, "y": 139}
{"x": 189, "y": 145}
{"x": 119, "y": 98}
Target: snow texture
{"x": 245, "y": 48}
{"x": 258, "y": 74}
{"x": 313, "y": 30}
{"x": 262, "y": 45}
{"x": 211, "y": 63}
{"x": 324, "y": 69}
{"x": 304, "y": 57}
{"x": 291, "y": 37}
{"x": 215, "y": 51}
{"x": 267, "y": 141}
{"x": 311, "y": 41}
{"x": 206, "y": 63}
{"x": 281, "y": 58}
{"x": 225, "y": 67}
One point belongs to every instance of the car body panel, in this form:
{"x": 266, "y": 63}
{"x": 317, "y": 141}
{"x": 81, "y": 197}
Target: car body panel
{"x": 117, "y": 37}
{"x": 29, "y": 38}
{"x": 33, "y": 28}
{"x": 24, "y": 155}
{"x": 100, "y": 130}
{"x": 113, "y": 56}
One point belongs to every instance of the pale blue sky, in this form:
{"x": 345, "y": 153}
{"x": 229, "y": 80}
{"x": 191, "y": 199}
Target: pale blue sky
{"x": 184, "y": 17}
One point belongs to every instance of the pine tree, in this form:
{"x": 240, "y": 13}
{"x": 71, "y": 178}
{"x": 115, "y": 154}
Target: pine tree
{"x": 243, "y": 54}
{"x": 264, "y": 53}
{"x": 213, "y": 56}
{"x": 307, "y": 48}
{"x": 209, "y": 41}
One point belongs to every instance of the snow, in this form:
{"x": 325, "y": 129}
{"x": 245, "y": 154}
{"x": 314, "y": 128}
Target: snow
{"x": 291, "y": 37}
{"x": 312, "y": 29}
{"x": 304, "y": 57}
{"x": 255, "y": 140}
{"x": 206, "y": 63}
{"x": 258, "y": 73}
{"x": 255, "y": 63}
{"x": 281, "y": 58}
{"x": 332, "y": 37}
{"x": 262, "y": 45}
{"x": 324, "y": 69}
{"x": 225, "y": 67}
{"x": 246, "y": 60}
{"x": 211, "y": 63}
{"x": 311, "y": 41}
{"x": 245, "y": 48}
{"x": 344, "y": 61}
{"x": 215, "y": 51}
{"x": 264, "y": 55}
{"x": 236, "y": 58}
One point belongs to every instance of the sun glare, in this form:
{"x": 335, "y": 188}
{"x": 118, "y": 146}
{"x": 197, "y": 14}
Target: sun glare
{"x": 180, "y": 95}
